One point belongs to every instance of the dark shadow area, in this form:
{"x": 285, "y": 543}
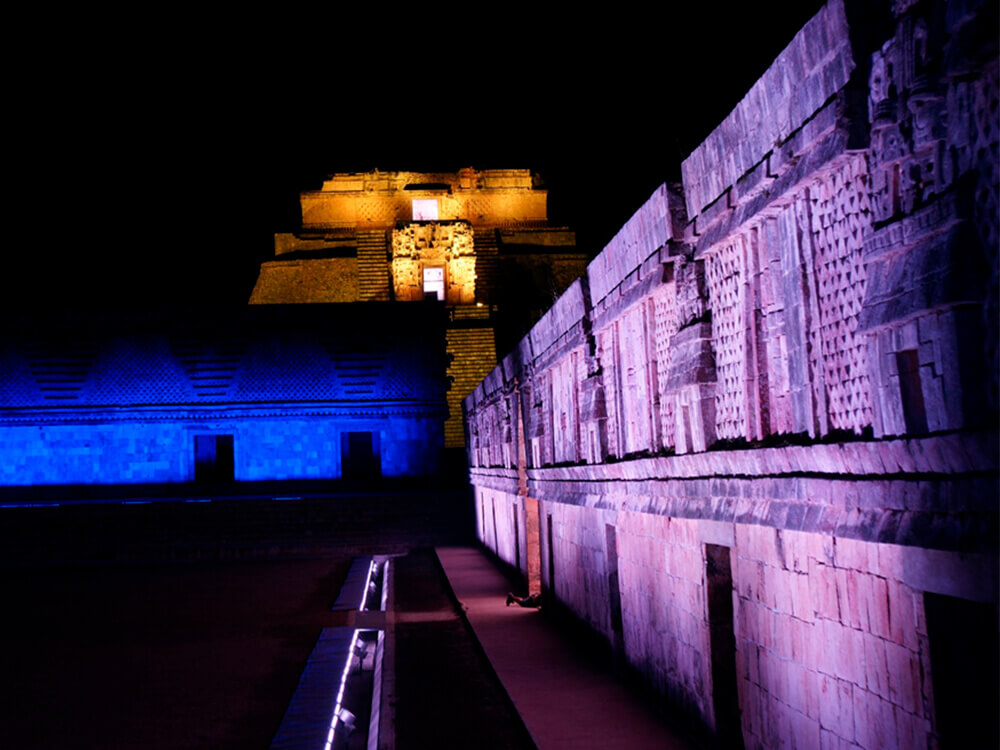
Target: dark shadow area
{"x": 203, "y": 655}
{"x": 725, "y": 695}
{"x": 448, "y": 695}
{"x": 965, "y": 670}
{"x": 197, "y": 527}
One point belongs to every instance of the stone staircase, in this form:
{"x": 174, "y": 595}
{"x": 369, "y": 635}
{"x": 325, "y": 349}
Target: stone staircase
{"x": 486, "y": 264}
{"x": 373, "y": 267}
{"x": 474, "y": 356}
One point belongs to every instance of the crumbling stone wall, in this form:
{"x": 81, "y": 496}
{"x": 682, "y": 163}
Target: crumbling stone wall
{"x": 772, "y": 384}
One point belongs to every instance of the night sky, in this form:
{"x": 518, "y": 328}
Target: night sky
{"x": 156, "y": 171}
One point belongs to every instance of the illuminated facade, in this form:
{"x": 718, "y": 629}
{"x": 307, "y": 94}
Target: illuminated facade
{"x": 478, "y": 241}
{"x": 755, "y": 446}
{"x": 256, "y": 394}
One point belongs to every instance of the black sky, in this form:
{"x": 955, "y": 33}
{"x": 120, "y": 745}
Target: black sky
{"x": 157, "y": 170}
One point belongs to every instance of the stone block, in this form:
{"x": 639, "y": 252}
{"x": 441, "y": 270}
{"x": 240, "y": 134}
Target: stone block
{"x": 852, "y": 612}
{"x": 774, "y": 675}
{"x": 904, "y": 677}
{"x": 876, "y": 677}
{"x": 823, "y": 591}
{"x": 854, "y": 554}
{"x": 847, "y": 660}
{"x": 800, "y": 632}
{"x": 877, "y": 606}
{"x": 911, "y": 730}
{"x": 874, "y": 719}
{"x": 828, "y": 740}
{"x": 801, "y": 603}
{"x": 797, "y": 679}
{"x": 798, "y": 546}
{"x": 782, "y": 626}
{"x": 804, "y": 731}
{"x": 779, "y": 589}
{"x": 836, "y": 706}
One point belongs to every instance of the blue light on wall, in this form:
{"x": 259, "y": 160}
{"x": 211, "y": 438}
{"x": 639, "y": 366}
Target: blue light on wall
{"x": 285, "y": 384}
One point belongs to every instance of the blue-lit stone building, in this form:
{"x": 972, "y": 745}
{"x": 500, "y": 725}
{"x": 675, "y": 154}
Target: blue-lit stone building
{"x": 264, "y": 393}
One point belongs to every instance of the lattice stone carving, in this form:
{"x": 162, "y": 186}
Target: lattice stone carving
{"x": 376, "y": 211}
{"x": 609, "y": 366}
{"x": 478, "y": 208}
{"x": 665, "y": 326}
{"x": 564, "y": 378}
{"x": 726, "y": 296}
{"x": 986, "y": 206}
{"x": 634, "y": 368}
{"x": 840, "y": 216}
{"x": 140, "y": 370}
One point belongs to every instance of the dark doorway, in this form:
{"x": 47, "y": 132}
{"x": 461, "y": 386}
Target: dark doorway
{"x": 965, "y": 670}
{"x": 359, "y": 455}
{"x": 213, "y": 458}
{"x": 725, "y": 698}
{"x": 911, "y": 391}
{"x": 614, "y": 589}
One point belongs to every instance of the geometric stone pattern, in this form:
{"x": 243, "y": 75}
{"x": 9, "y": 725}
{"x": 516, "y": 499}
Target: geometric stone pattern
{"x": 378, "y": 200}
{"x": 726, "y": 279}
{"x": 665, "y": 327}
{"x": 216, "y": 367}
{"x": 479, "y": 239}
{"x": 565, "y": 399}
{"x": 782, "y": 396}
{"x": 285, "y": 383}
{"x": 840, "y": 218}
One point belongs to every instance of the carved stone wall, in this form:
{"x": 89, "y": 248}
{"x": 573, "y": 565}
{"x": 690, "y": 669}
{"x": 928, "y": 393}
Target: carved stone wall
{"x": 782, "y": 375}
{"x": 365, "y": 239}
{"x": 284, "y": 384}
{"x": 378, "y": 200}
{"x": 447, "y": 245}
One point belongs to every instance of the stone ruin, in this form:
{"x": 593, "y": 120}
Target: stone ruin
{"x": 755, "y": 445}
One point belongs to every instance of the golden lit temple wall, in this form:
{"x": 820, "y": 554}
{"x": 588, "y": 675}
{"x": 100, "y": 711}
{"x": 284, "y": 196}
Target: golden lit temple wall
{"x": 464, "y": 179}
{"x": 486, "y": 232}
{"x": 380, "y": 203}
{"x": 286, "y": 242}
{"x": 434, "y": 245}
{"x": 304, "y": 281}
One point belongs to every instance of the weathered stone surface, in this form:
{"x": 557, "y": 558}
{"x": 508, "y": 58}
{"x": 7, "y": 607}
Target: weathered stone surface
{"x": 307, "y": 281}
{"x": 803, "y": 367}
{"x": 815, "y": 65}
{"x": 479, "y": 241}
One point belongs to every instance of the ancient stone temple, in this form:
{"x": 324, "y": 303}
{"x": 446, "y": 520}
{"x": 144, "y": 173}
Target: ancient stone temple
{"x": 194, "y": 395}
{"x": 754, "y": 445}
{"x": 478, "y": 241}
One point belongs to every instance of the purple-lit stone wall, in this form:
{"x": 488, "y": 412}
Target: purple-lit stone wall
{"x": 781, "y": 375}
